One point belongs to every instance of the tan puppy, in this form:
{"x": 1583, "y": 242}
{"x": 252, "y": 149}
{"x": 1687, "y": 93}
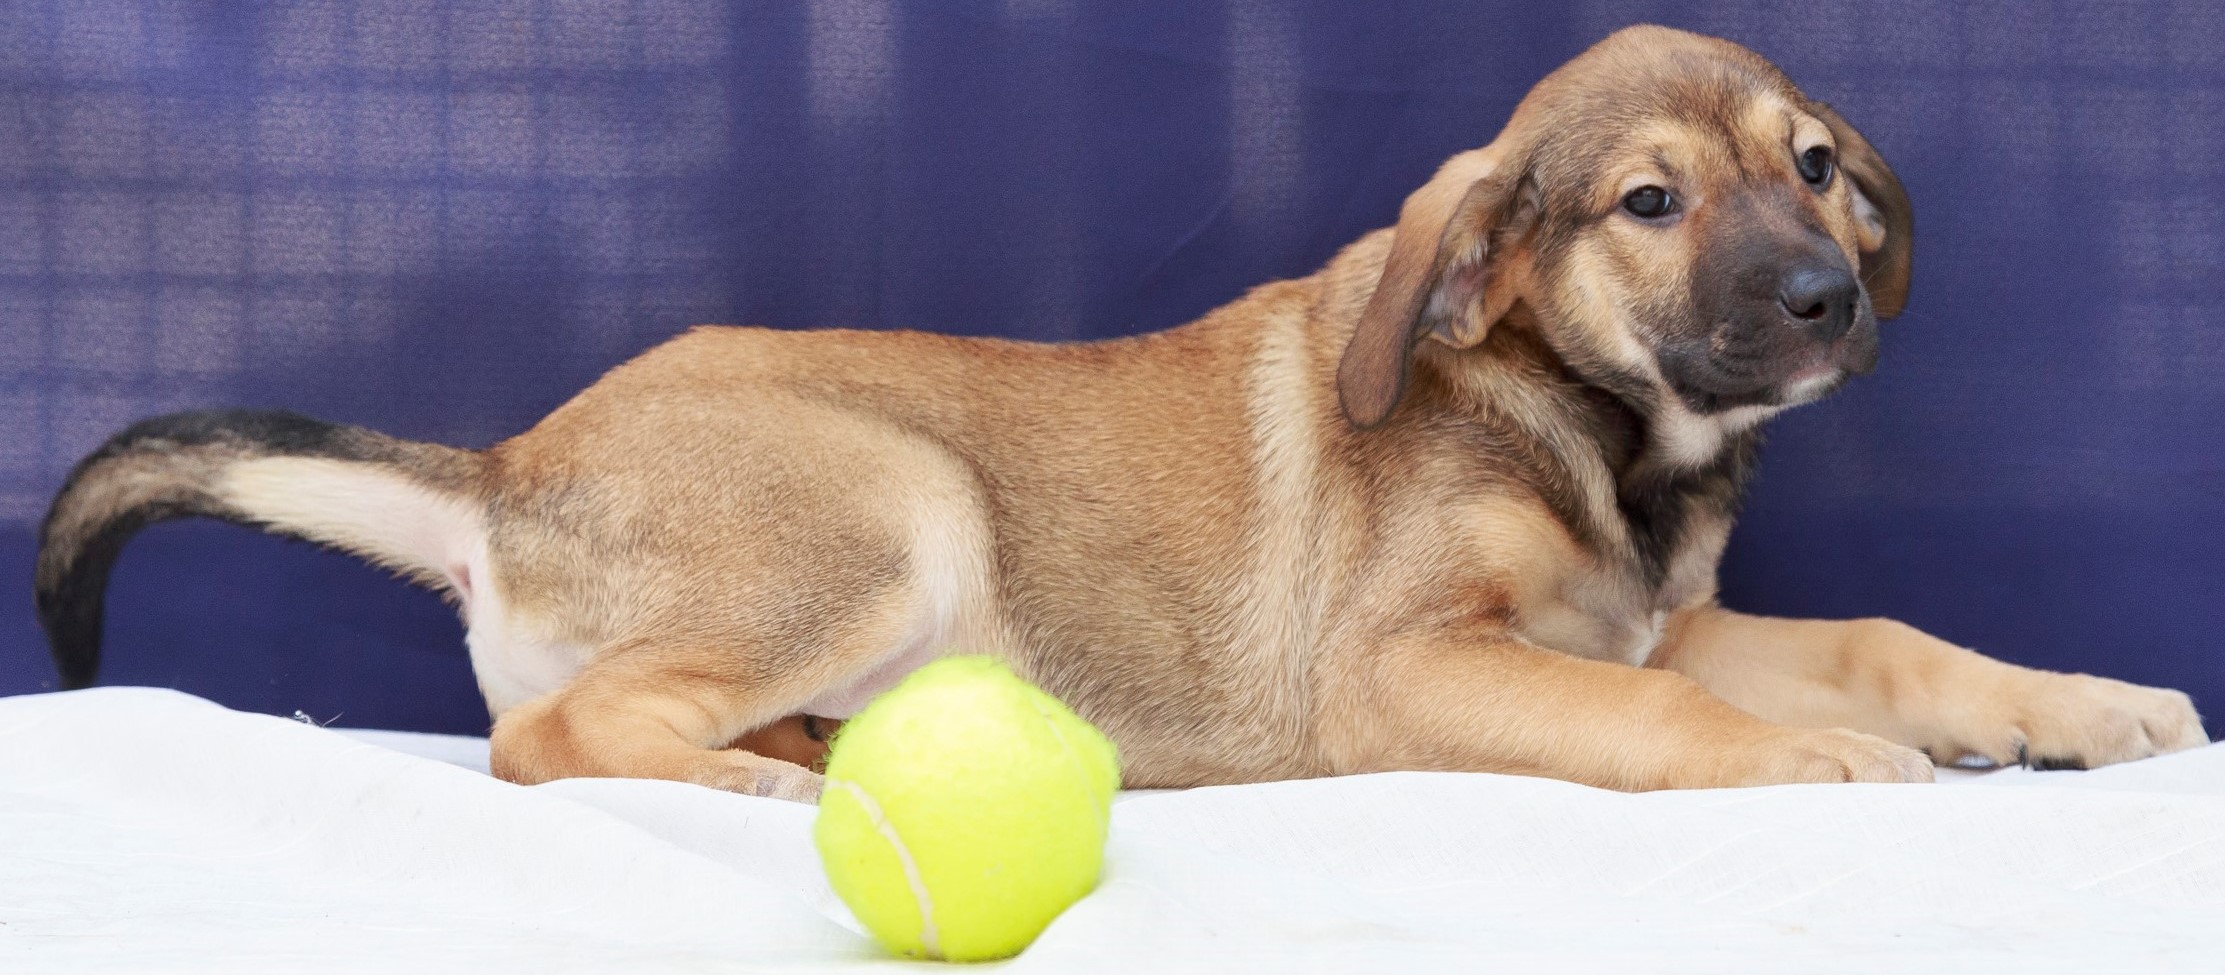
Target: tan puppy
{"x": 1453, "y": 502}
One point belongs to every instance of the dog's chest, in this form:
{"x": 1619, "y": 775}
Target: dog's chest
{"x": 1617, "y": 608}
{"x": 1598, "y": 621}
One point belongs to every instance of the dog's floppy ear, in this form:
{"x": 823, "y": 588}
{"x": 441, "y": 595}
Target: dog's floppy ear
{"x": 1434, "y": 283}
{"x": 1885, "y": 226}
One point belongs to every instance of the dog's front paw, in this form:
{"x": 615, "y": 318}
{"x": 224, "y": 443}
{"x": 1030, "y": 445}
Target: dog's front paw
{"x": 1828, "y": 755}
{"x": 2056, "y": 721}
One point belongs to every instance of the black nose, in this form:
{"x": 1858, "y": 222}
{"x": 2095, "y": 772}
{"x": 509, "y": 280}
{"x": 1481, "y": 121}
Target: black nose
{"x": 1820, "y": 299}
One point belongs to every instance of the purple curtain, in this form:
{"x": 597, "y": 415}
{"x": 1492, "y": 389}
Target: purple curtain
{"x": 441, "y": 218}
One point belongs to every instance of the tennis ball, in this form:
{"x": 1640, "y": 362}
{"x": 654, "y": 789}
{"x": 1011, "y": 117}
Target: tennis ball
{"x": 963, "y": 810}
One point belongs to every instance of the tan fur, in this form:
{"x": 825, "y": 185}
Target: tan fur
{"x": 1376, "y": 518}
{"x": 391, "y": 520}
{"x": 1182, "y": 535}
{"x": 1890, "y": 679}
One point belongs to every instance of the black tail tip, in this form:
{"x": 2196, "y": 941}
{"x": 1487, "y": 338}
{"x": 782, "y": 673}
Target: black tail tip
{"x": 86, "y": 528}
{"x": 71, "y": 615}
{"x": 77, "y": 678}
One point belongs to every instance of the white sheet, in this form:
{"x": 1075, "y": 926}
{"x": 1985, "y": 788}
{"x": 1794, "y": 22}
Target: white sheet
{"x": 148, "y": 831}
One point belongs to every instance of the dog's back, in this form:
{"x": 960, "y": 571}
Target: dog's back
{"x": 1111, "y": 516}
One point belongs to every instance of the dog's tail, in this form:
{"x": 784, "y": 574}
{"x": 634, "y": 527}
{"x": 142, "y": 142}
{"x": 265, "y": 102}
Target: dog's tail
{"x": 413, "y": 508}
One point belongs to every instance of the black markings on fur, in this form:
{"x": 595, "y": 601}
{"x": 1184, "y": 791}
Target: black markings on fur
{"x": 275, "y": 433}
{"x": 72, "y": 585}
{"x": 78, "y": 546}
{"x": 1660, "y": 504}
{"x": 2047, "y": 763}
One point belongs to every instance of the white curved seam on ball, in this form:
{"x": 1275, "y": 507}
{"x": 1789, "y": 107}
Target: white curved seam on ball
{"x": 1087, "y": 773}
{"x": 881, "y": 825}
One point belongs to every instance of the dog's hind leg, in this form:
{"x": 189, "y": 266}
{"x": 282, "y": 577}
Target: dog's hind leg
{"x": 635, "y": 719}
{"x": 670, "y": 703}
{"x": 771, "y": 556}
{"x": 726, "y": 632}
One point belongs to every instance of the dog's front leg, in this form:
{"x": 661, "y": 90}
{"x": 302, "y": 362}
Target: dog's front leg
{"x": 1890, "y": 679}
{"x": 1485, "y": 701}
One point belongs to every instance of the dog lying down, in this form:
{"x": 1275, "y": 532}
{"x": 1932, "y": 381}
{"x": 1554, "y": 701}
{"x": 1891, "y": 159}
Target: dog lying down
{"x": 1455, "y": 501}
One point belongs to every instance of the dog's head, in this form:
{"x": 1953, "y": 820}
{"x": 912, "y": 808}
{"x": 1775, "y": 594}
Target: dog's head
{"x": 1688, "y": 230}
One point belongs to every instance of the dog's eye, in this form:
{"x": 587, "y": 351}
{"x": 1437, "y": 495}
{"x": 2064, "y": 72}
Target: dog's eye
{"x": 1649, "y": 202}
{"x": 1815, "y": 166}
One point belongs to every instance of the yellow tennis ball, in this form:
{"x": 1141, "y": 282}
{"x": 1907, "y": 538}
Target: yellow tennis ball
{"x": 964, "y": 809}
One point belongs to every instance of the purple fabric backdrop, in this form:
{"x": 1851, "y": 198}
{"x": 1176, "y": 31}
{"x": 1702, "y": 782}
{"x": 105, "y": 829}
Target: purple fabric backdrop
{"x": 441, "y": 218}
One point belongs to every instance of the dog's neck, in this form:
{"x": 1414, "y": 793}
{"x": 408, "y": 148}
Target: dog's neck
{"x": 1670, "y": 469}
{"x": 1645, "y": 431}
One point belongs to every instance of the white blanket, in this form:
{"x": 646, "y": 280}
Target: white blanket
{"x": 148, "y": 831}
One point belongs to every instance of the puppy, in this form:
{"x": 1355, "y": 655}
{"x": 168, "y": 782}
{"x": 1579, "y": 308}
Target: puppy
{"x": 1455, "y": 501}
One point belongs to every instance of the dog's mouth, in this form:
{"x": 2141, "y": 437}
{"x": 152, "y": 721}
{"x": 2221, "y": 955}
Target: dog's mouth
{"x": 1731, "y": 375}
{"x": 1812, "y": 383}
{"x": 1830, "y": 368}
